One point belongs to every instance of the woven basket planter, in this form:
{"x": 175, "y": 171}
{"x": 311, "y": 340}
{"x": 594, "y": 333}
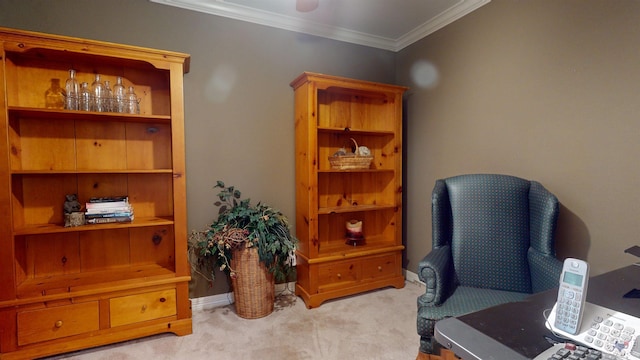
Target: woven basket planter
{"x": 253, "y": 284}
{"x": 354, "y": 161}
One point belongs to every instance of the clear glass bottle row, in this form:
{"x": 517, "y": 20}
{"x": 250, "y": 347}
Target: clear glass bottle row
{"x": 99, "y": 96}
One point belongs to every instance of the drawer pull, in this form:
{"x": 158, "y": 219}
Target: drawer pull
{"x": 144, "y": 308}
{"x": 58, "y": 324}
{"x": 162, "y": 299}
{"x": 339, "y": 276}
{"x": 379, "y": 268}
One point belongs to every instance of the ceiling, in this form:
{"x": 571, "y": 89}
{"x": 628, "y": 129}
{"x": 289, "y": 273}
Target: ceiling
{"x": 385, "y": 24}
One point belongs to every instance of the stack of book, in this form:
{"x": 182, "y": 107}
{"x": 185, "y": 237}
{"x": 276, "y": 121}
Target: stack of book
{"x": 109, "y": 209}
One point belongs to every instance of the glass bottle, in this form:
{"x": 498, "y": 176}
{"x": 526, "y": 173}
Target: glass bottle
{"x": 84, "y": 100}
{"x": 97, "y": 90}
{"x": 108, "y": 96}
{"x": 119, "y": 96}
{"x": 132, "y": 100}
{"x": 72, "y": 90}
{"x": 54, "y": 96}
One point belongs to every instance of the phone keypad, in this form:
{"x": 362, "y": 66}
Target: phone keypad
{"x": 605, "y": 330}
{"x": 610, "y": 335}
{"x": 572, "y": 351}
{"x": 568, "y": 309}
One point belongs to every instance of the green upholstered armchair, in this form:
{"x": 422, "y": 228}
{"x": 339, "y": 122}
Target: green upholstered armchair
{"x": 493, "y": 242}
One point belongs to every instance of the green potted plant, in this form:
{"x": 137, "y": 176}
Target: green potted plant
{"x": 251, "y": 243}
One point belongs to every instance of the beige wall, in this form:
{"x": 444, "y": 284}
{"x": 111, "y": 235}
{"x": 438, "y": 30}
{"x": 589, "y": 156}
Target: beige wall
{"x": 546, "y": 90}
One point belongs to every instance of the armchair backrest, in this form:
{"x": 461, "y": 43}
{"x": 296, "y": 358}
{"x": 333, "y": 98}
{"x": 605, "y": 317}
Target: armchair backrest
{"x": 494, "y": 224}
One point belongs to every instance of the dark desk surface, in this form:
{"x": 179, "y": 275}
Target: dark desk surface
{"x": 521, "y": 325}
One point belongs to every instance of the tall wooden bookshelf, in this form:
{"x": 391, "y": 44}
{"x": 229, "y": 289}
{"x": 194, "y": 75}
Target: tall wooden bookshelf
{"x": 329, "y": 111}
{"x": 69, "y": 288}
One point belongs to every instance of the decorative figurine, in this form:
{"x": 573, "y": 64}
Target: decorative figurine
{"x": 72, "y": 214}
{"x": 354, "y": 233}
{"x": 71, "y": 204}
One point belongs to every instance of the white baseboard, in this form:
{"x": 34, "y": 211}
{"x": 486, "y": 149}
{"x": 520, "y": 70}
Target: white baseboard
{"x": 214, "y": 301}
{"x": 211, "y": 302}
{"x": 413, "y": 277}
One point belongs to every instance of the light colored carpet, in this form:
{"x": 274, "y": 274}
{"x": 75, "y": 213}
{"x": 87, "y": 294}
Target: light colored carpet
{"x": 379, "y": 324}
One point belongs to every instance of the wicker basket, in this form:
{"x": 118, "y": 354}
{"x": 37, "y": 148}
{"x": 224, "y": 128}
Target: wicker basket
{"x": 351, "y": 162}
{"x": 253, "y": 285}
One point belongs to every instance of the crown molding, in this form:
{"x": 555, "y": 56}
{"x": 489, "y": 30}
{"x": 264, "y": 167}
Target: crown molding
{"x": 462, "y": 8}
{"x": 261, "y": 17}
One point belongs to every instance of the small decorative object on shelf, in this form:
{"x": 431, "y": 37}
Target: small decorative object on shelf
{"x": 354, "y": 233}
{"x": 73, "y": 91}
{"x": 108, "y": 96}
{"x": 84, "y": 100}
{"x": 54, "y": 96}
{"x": 360, "y": 158}
{"x": 119, "y": 96}
{"x": 132, "y": 102}
{"x": 112, "y": 209}
{"x": 99, "y": 99}
{"x": 72, "y": 214}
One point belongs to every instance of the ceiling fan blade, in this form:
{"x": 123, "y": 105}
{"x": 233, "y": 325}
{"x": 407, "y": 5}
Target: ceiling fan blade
{"x": 306, "y": 5}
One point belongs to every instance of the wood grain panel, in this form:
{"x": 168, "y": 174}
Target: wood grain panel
{"x": 104, "y": 249}
{"x": 148, "y": 146}
{"x": 153, "y": 245}
{"x": 54, "y": 254}
{"x": 101, "y": 185}
{"x": 42, "y": 197}
{"x": 101, "y": 145}
{"x": 152, "y": 195}
{"x": 42, "y": 144}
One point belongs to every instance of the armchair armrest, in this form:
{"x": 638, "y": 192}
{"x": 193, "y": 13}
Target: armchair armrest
{"x": 545, "y": 270}
{"x": 435, "y": 271}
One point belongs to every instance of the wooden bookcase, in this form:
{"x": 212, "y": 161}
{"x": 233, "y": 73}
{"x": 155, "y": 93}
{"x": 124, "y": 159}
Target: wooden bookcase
{"x": 329, "y": 111}
{"x": 69, "y": 288}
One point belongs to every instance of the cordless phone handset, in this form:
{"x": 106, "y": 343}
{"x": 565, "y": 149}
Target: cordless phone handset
{"x": 571, "y": 295}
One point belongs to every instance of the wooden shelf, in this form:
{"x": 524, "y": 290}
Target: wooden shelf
{"x": 350, "y": 209}
{"x": 329, "y": 171}
{"x": 59, "y": 228}
{"x": 91, "y": 283}
{"x": 40, "y": 113}
{"x": 355, "y": 131}
{"x": 340, "y": 250}
{"x": 115, "y": 171}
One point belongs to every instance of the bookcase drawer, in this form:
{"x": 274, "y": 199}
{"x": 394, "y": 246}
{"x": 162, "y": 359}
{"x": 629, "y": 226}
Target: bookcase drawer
{"x": 57, "y": 322}
{"x": 379, "y": 267}
{"x": 142, "y": 307}
{"x": 339, "y": 273}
